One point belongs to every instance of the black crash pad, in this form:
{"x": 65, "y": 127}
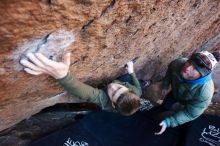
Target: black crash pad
{"x": 203, "y": 131}
{"x": 112, "y": 129}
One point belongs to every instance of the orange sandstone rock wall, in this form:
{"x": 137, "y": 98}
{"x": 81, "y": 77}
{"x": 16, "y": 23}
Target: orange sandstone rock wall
{"x": 107, "y": 33}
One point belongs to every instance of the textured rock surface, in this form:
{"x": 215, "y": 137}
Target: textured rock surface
{"x": 108, "y": 34}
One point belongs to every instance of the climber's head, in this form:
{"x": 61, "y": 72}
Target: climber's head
{"x": 124, "y": 100}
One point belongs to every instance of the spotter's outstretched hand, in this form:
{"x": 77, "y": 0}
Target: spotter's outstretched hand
{"x": 163, "y": 128}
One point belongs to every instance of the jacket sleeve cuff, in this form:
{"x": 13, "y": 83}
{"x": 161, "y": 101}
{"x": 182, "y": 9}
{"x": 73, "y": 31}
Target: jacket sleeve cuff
{"x": 167, "y": 121}
{"x": 132, "y": 74}
{"x": 65, "y": 79}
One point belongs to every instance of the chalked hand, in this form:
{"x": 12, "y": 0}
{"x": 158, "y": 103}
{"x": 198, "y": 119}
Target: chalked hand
{"x": 39, "y": 64}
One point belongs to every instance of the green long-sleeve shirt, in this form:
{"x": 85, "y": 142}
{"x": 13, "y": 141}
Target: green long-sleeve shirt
{"x": 194, "y": 97}
{"x": 98, "y": 96}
